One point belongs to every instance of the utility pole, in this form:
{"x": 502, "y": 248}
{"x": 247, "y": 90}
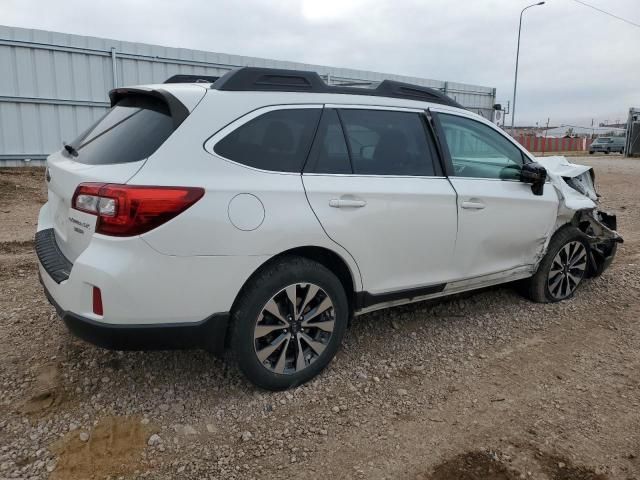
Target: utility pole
{"x": 544, "y": 140}
{"x": 515, "y": 80}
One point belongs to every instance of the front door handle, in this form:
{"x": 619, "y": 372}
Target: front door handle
{"x": 346, "y": 203}
{"x": 470, "y": 205}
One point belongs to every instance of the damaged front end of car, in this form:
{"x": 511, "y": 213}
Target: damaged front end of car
{"x": 600, "y": 228}
{"x": 575, "y": 185}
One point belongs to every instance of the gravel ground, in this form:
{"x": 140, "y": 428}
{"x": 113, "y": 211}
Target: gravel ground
{"x": 481, "y": 386}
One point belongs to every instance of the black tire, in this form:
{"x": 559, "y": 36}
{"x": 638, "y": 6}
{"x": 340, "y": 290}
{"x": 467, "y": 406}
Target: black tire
{"x": 537, "y": 288}
{"x": 266, "y": 286}
{"x": 590, "y": 152}
{"x": 599, "y": 264}
{"x": 606, "y": 152}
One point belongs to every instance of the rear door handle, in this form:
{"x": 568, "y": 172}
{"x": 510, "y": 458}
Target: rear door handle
{"x": 472, "y": 205}
{"x": 346, "y": 203}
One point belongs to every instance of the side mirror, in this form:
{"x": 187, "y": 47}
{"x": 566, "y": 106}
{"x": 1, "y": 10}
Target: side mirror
{"x": 536, "y": 175}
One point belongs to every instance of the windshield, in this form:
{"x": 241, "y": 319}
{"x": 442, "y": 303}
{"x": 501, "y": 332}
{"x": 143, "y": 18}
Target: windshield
{"x": 131, "y": 130}
{"x": 603, "y": 140}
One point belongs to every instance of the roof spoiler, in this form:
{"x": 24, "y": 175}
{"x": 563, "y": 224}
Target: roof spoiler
{"x": 179, "y": 112}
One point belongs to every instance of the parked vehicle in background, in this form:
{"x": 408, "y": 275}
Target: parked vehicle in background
{"x": 259, "y": 213}
{"x": 607, "y": 145}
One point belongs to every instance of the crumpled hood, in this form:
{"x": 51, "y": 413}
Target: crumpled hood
{"x": 561, "y": 166}
{"x": 574, "y": 183}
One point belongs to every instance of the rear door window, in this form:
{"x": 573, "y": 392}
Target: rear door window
{"x": 383, "y": 142}
{"x": 329, "y": 153}
{"x": 132, "y": 130}
{"x": 278, "y": 140}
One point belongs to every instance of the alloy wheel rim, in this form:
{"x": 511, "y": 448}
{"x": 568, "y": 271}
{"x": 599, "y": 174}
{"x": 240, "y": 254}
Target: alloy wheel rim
{"x": 294, "y": 328}
{"x": 567, "y": 270}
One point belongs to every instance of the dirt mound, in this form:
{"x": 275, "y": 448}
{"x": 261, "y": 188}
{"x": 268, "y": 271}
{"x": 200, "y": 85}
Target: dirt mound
{"x": 558, "y": 468}
{"x": 488, "y": 466}
{"x": 471, "y": 466}
{"x": 113, "y": 447}
{"x": 46, "y": 391}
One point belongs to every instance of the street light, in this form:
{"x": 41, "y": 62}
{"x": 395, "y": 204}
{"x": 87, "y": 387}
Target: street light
{"x": 515, "y": 81}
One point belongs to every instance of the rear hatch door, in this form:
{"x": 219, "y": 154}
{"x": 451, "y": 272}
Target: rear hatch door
{"x": 112, "y": 150}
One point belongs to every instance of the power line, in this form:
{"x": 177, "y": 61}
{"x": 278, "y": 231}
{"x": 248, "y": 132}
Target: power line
{"x": 607, "y": 13}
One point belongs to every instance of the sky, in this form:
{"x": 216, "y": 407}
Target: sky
{"x": 575, "y": 64}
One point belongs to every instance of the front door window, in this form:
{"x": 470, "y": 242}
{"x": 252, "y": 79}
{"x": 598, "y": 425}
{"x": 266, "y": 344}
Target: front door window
{"x": 479, "y": 151}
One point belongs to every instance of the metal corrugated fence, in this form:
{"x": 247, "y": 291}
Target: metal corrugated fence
{"x": 53, "y": 85}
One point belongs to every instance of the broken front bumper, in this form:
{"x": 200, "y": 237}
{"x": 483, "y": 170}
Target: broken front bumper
{"x": 600, "y": 228}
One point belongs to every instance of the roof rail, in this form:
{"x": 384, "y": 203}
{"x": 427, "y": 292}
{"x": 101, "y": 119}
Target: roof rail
{"x": 248, "y": 79}
{"x": 191, "y": 79}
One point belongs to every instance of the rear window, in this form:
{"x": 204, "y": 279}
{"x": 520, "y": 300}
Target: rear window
{"x": 131, "y": 130}
{"x": 278, "y": 140}
{"x": 388, "y": 143}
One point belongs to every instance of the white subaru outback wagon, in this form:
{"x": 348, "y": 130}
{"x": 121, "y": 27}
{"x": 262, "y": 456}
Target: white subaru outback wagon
{"x": 257, "y": 214}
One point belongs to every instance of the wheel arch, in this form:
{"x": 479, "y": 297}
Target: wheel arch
{"x": 326, "y": 257}
{"x": 599, "y": 229}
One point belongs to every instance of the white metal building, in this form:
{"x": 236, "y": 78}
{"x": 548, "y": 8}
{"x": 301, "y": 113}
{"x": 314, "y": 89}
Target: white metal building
{"x": 54, "y": 85}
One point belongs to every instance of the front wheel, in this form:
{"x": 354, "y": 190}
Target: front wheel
{"x": 288, "y": 323}
{"x": 562, "y": 269}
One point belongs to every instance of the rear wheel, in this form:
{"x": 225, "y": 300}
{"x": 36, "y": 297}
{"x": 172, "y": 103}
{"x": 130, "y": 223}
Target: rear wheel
{"x": 288, "y": 323}
{"x": 562, "y": 269}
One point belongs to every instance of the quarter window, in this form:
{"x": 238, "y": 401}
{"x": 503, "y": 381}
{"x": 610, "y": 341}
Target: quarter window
{"x": 388, "y": 143}
{"x": 278, "y": 140}
{"x": 479, "y": 151}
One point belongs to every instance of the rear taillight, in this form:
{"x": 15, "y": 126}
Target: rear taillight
{"x": 126, "y": 210}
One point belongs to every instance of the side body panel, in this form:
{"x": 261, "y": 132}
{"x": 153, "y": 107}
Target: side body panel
{"x": 403, "y": 237}
{"x": 214, "y": 226}
{"x": 506, "y": 227}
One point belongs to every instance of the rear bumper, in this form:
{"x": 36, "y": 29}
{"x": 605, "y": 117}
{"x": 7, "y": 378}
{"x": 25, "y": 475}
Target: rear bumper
{"x": 208, "y": 334}
{"x": 151, "y": 300}
{"x": 139, "y": 285}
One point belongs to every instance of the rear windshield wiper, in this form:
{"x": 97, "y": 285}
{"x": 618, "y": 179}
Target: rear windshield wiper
{"x": 69, "y": 148}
